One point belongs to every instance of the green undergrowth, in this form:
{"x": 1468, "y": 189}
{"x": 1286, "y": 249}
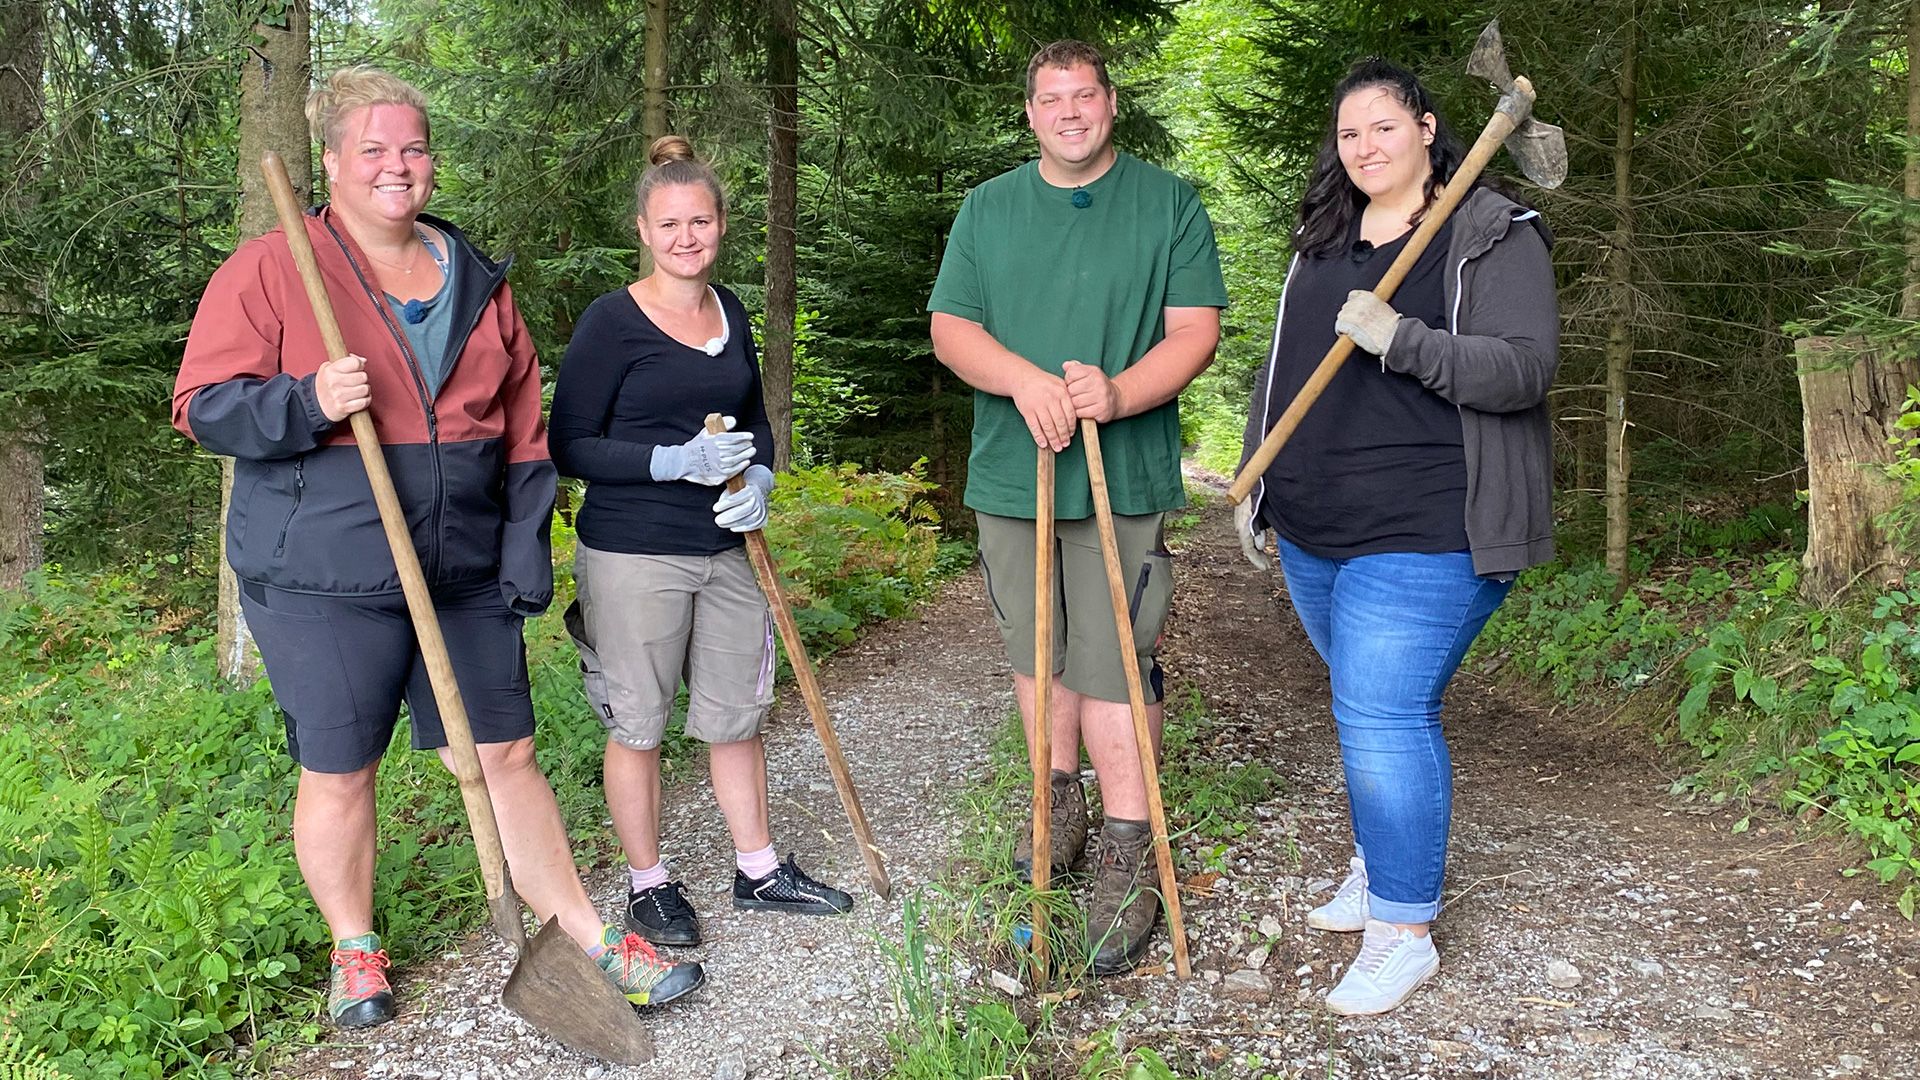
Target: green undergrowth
{"x": 954, "y": 1025}
{"x": 1812, "y": 709}
{"x": 152, "y": 919}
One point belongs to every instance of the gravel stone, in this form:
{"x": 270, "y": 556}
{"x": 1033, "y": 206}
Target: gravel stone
{"x": 1562, "y": 975}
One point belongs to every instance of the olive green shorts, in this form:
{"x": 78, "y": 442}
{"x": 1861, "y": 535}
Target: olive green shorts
{"x": 1086, "y": 645}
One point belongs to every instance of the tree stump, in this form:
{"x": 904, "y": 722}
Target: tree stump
{"x": 1850, "y": 398}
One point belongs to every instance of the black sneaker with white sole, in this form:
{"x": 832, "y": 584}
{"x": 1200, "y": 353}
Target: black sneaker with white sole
{"x": 788, "y": 889}
{"x": 663, "y": 916}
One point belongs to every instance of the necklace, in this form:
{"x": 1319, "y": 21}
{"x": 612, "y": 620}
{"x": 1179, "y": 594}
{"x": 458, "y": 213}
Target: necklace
{"x": 407, "y": 269}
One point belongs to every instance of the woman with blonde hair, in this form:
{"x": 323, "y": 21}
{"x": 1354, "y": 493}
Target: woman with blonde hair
{"x": 440, "y": 356}
{"x": 666, "y": 594}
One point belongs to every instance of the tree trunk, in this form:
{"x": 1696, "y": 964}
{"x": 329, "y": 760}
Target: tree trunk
{"x": 654, "y": 101}
{"x": 273, "y": 97}
{"x": 1910, "y": 296}
{"x": 23, "y": 42}
{"x": 783, "y": 196}
{"x": 1620, "y": 332}
{"x": 1850, "y": 399}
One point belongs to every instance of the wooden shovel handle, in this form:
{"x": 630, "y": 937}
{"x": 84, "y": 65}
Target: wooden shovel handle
{"x": 1136, "y": 696}
{"x": 502, "y": 904}
{"x": 1499, "y": 126}
{"x": 763, "y": 568}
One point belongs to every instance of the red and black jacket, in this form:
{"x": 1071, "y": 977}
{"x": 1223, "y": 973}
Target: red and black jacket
{"x": 470, "y": 463}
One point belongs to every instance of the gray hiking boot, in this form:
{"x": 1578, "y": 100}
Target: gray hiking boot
{"x": 1069, "y": 836}
{"x": 1126, "y": 900}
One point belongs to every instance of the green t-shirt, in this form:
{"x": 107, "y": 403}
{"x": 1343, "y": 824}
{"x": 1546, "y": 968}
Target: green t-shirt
{"x": 1054, "y": 280}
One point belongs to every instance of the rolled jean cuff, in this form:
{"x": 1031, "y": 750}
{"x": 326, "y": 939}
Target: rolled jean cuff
{"x": 1395, "y": 912}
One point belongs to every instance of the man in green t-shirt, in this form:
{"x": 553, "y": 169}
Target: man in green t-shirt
{"x": 1082, "y": 285}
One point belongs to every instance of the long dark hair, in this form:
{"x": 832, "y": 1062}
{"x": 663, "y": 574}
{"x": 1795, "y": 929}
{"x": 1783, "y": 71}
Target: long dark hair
{"x": 1328, "y": 208}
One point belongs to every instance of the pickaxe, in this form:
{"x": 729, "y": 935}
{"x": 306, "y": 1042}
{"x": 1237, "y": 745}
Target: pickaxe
{"x": 1541, "y": 152}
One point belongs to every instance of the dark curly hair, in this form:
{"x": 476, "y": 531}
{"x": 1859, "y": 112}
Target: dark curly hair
{"x": 1331, "y": 201}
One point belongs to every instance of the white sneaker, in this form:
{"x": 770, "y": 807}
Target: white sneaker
{"x": 1391, "y": 965}
{"x": 1347, "y": 912}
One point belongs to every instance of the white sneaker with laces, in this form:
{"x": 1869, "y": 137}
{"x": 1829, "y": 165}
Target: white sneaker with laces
{"x": 1391, "y": 965}
{"x": 1347, "y": 912}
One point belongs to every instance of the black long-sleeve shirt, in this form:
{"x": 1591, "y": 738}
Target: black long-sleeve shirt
{"x": 626, "y": 387}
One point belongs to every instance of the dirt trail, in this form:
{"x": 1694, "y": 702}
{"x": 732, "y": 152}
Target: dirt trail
{"x": 1700, "y": 953}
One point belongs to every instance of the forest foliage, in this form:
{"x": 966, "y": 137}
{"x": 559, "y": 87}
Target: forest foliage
{"x": 138, "y": 798}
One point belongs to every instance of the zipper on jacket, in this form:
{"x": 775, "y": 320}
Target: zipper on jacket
{"x": 299, "y": 490}
{"x": 432, "y": 568}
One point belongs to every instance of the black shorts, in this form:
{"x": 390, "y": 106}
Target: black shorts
{"x": 340, "y": 666}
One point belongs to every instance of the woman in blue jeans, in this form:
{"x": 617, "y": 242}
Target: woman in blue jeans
{"x": 1412, "y": 493}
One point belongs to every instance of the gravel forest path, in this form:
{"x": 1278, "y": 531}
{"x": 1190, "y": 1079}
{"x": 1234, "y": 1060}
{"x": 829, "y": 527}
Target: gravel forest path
{"x": 1698, "y": 952}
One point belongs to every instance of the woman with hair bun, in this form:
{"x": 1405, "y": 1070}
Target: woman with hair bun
{"x": 1414, "y": 490}
{"x": 665, "y": 591}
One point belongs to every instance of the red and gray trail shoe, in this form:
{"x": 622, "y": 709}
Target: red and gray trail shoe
{"x": 788, "y": 889}
{"x": 357, "y": 992}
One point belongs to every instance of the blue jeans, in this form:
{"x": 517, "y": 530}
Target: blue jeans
{"x": 1393, "y": 629}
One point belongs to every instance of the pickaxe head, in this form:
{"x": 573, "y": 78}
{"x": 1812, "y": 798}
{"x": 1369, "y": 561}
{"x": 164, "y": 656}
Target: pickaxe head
{"x": 1539, "y": 149}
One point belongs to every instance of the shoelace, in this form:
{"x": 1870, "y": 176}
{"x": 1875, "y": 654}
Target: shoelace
{"x": 362, "y": 971}
{"x": 670, "y": 901}
{"x": 1375, "y": 950}
{"x": 633, "y": 952}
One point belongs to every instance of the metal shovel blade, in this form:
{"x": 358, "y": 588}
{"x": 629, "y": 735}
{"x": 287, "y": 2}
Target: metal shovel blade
{"x": 562, "y": 993}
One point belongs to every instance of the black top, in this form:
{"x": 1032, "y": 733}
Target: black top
{"x": 625, "y": 387}
{"x": 1377, "y": 465}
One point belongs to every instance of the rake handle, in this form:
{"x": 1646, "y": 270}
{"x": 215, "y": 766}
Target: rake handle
{"x": 502, "y": 904}
{"x": 1040, "y": 746}
{"x": 763, "y": 568}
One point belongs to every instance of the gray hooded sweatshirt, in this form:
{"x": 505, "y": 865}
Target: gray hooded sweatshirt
{"x": 1494, "y": 361}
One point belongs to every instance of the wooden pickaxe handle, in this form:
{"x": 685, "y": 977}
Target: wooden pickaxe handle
{"x": 1499, "y": 126}
{"x": 1136, "y": 697}
{"x": 1040, "y": 866}
{"x": 763, "y": 569}
{"x": 502, "y": 904}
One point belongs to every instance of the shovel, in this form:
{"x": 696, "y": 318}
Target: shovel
{"x": 1540, "y": 149}
{"x": 554, "y": 987}
{"x": 762, "y": 559}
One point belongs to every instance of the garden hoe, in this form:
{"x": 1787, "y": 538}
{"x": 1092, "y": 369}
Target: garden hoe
{"x": 554, "y": 986}
{"x": 1541, "y": 152}
{"x": 762, "y": 559}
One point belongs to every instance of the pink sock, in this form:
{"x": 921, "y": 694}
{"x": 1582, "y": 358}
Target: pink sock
{"x": 647, "y": 879}
{"x": 757, "y": 864}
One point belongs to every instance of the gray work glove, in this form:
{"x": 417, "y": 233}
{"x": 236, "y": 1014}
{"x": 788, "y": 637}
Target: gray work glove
{"x": 746, "y": 510}
{"x": 705, "y": 459}
{"x": 1252, "y": 543}
{"x": 1368, "y": 320}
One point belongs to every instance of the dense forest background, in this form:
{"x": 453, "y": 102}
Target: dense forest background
{"x": 1738, "y": 254}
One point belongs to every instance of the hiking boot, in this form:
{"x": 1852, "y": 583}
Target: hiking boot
{"x": 1347, "y": 911}
{"x": 1125, "y": 903}
{"x": 639, "y": 973}
{"x": 1391, "y": 966}
{"x": 1069, "y": 836}
{"x": 357, "y": 991}
{"x": 788, "y": 889}
{"x": 662, "y": 915}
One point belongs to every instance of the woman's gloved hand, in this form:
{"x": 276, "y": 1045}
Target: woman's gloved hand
{"x": 1252, "y": 544}
{"x": 746, "y": 510}
{"x": 1368, "y": 320}
{"x": 705, "y": 459}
